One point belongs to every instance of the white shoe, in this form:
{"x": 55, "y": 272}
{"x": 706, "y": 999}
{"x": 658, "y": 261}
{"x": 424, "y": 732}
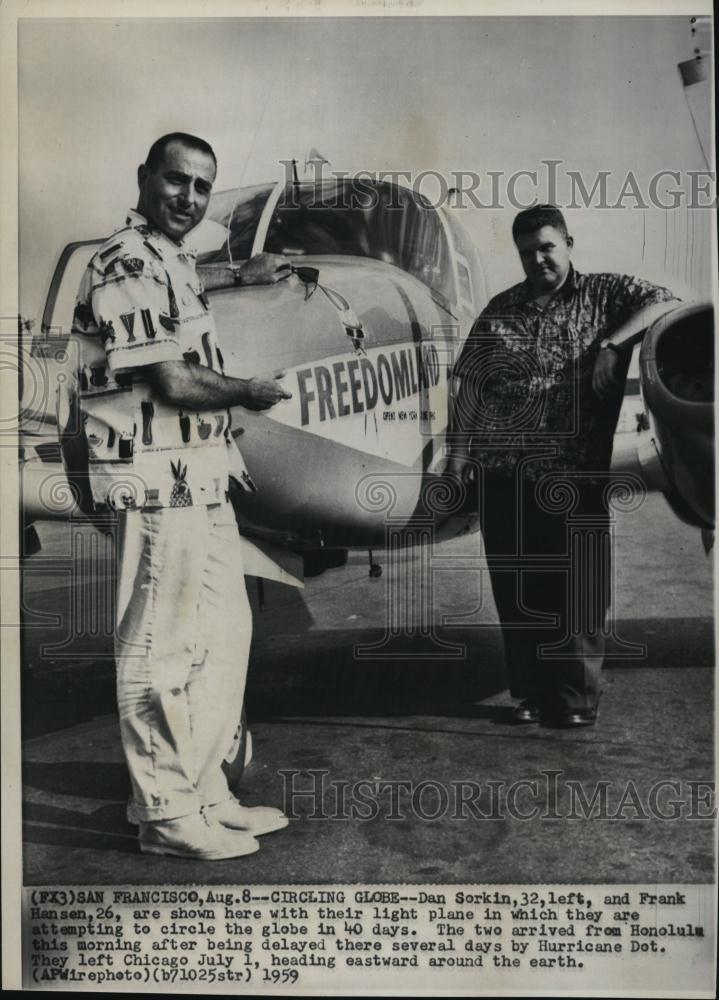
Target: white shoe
{"x": 255, "y": 820}
{"x": 197, "y": 837}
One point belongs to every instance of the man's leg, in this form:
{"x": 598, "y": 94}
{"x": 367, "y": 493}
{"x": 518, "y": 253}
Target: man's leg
{"x": 580, "y": 597}
{"x": 565, "y": 578}
{"x": 502, "y": 533}
{"x": 216, "y": 685}
{"x": 161, "y": 561}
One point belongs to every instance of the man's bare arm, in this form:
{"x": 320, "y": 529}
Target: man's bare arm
{"x": 262, "y": 269}
{"x": 629, "y": 333}
{"x": 195, "y": 387}
{"x": 605, "y": 378}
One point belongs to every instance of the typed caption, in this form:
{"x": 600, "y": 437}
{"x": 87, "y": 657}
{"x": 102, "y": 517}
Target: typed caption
{"x": 266, "y": 938}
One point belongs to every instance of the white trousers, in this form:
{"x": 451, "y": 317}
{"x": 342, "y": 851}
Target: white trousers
{"x": 182, "y": 641}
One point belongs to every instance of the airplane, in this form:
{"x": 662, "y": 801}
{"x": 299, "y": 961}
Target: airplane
{"x": 368, "y": 350}
{"x": 384, "y": 290}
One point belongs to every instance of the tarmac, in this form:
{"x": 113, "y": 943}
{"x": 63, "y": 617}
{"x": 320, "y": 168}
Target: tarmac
{"x": 398, "y": 763}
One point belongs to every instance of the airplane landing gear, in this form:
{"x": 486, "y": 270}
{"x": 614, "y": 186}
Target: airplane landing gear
{"x": 375, "y": 570}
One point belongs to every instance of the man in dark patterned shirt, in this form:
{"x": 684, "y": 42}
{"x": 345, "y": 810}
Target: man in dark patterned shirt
{"x": 540, "y": 389}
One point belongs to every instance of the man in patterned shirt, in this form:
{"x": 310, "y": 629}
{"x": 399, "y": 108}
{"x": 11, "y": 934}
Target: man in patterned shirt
{"x": 155, "y": 405}
{"x": 539, "y": 393}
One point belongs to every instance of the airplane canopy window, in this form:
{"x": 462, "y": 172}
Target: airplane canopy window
{"x": 471, "y": 277}
{"x": 364, "y": 219}
{"x": 244, "y": 206}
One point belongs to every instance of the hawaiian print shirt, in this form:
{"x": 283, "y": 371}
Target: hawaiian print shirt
{"x": 141, "y": 302}
{"x": 526, "y": 375}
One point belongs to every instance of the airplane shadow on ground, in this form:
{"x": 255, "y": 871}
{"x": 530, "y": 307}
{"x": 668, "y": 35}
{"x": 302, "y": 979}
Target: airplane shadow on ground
{"x": 104, "y": 827}
{"x": 356, "y": 673}
{"x": 350, "y": 672}
{"x": 329, "y": 673}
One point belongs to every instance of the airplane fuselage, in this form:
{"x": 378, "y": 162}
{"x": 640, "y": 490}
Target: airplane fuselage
{"x": 368, "y": 413}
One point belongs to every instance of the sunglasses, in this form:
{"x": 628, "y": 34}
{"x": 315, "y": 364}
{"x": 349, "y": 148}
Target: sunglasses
{"x": 309, "y": 276}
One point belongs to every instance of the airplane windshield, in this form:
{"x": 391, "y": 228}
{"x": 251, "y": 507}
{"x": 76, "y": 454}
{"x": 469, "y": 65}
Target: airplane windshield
{"x": 345, "y": 216}
{"x": 244, "y": 206}
{"x": 364, "y": 219}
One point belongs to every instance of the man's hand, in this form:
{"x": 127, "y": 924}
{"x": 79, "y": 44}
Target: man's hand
{"x": 263, "y": 391}
{"x": 606, "y": 378}
{"x": 264, "y": 269}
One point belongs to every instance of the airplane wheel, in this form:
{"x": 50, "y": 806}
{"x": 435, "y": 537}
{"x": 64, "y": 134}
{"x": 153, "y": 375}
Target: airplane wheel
{"x": 238, "y": 756}
{"x": 375, "y": 571}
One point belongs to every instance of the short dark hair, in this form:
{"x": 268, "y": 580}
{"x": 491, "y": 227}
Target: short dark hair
{"x": 157, "y": 150}
{"x": 532, "y": 219}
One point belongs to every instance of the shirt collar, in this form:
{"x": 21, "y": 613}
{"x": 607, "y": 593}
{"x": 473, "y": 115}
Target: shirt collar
{"x": 136, "y": 220}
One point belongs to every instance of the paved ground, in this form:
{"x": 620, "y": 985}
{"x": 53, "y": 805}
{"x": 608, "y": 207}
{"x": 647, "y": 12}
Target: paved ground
{"x": 321, "y": 712}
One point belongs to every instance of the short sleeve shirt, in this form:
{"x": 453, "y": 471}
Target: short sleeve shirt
{"x": 526, "y": 374}
{"x": 141, "y": 302}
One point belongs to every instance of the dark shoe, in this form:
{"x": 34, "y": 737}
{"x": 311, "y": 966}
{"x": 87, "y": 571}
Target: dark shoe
{"x": 576, "y": 717}
{"x": 525, "y": 712}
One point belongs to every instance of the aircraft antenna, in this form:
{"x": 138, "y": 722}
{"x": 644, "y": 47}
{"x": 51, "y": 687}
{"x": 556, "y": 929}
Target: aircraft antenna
{"x": 244, "y": 167}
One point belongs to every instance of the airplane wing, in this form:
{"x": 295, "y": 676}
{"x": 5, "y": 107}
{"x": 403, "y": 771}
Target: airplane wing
{"x": 260, "y": 558}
